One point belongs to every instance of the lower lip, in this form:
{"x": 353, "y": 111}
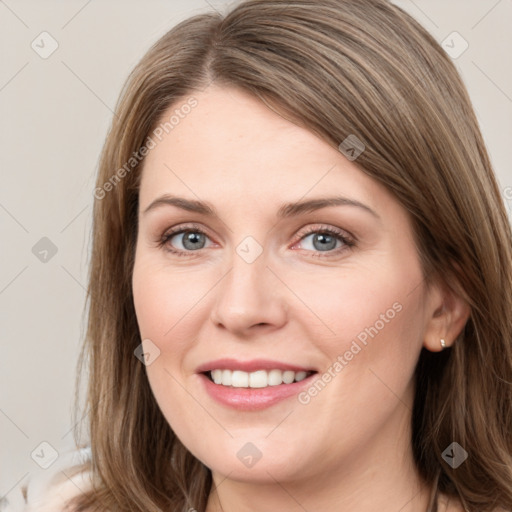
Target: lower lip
{"x": 251, "y": 399}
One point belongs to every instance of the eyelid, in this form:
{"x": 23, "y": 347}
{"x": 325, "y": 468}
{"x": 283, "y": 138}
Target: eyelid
{"x": 163, "y": 240}
{"x": 348, "y": 240}
{"x": 322, "y": 228}
{"x": 345, "y": 237}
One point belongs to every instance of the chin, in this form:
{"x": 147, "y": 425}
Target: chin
{"x": 259, "y": 461}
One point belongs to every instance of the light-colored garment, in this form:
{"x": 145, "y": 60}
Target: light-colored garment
{"x": 48, "y": 490}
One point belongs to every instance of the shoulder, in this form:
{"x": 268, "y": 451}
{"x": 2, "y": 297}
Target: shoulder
{"x": 49, "y": 490}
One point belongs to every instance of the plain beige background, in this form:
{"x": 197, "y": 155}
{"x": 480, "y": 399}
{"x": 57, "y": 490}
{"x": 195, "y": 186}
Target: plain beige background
{"x": 55, "y": 112}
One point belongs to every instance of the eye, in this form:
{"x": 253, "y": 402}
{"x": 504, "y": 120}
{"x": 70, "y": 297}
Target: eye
{"x": 186, "y": 238}
{"x": 325, "y": 240}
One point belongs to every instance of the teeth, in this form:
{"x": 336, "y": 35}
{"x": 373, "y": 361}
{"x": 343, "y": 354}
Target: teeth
{"x": 288, "y": 377}
{"x": 216, "y": 376}
{"x": 226, "y": 377}
{"x": 274, "y": 377}
{"x": 257, "y": 379}
{"x": 239, "y": 379}
{"x": 301, "y": 376}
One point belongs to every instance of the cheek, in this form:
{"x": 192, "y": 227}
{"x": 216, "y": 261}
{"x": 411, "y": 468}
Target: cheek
{"x": 369, "y": 327}
{"x": 163, "y": 300}
{"x": 163, "y": 303}
{"x": 189, "y": 420}
{"x": 372, "y": 355}
{"x": 355, "y": 304}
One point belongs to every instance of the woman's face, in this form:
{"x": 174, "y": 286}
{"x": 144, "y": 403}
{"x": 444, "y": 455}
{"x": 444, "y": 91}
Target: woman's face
{"x": 274, "y": 281}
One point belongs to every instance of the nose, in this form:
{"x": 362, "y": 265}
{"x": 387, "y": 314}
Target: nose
{"x": 249, "y": 298}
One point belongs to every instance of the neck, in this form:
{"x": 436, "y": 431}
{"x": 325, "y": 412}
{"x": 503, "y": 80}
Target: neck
{"x": 376, "y": 487}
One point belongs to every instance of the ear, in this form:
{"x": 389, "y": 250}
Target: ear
{"x": 446, "y": 315}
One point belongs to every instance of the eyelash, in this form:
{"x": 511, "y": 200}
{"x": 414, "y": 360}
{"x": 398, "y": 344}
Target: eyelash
{"x": 347, "y": 241}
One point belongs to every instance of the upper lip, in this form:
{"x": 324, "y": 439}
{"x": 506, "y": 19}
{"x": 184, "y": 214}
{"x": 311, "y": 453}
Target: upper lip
{"x": 250, "y": 366}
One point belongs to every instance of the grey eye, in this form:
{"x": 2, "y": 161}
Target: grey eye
{"x": 191, "y": 240}
{"x": 321, "y": 241}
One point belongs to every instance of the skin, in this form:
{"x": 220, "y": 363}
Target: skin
{"x": 349, "y": 447}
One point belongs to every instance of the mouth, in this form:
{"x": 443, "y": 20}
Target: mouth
{"x": 256, "y": 379}
{"x": 253, "y": 385}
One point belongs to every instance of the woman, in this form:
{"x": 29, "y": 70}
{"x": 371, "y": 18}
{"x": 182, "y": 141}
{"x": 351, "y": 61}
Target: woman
{"x": 301, "y": 278}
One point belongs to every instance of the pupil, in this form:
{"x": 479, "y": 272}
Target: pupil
{"x": 191, "y": 240}
{"x": 326, "y": 242}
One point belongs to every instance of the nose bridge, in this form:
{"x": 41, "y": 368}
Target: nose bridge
{"x": 247, "y": 283}
{"x": 248, "y": 294}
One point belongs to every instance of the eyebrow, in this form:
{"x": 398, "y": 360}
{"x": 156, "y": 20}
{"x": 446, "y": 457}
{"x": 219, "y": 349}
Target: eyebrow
{"x": 285, "y": 211}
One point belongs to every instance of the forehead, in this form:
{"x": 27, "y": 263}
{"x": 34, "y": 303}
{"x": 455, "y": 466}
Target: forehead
{"x": 230, "y": 143}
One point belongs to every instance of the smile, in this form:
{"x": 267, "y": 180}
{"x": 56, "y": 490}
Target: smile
{"x": 256, "y": 379}
{"x": 255, "y": 384}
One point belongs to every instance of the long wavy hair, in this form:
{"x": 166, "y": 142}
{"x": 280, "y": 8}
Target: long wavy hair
{"x": 338, "y": 68}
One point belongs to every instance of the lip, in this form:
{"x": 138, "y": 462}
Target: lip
{"x": 251, "y": 399}
{"x": 250, "y": 366}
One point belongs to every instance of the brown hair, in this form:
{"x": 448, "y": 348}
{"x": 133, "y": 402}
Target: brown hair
{"x": 339, "y": 68}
